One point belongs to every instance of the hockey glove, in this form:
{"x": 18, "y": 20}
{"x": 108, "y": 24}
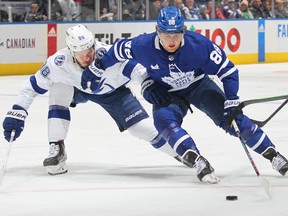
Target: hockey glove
{"x": 78, "y": 97}
{"x": 91, "y": 77}
{"x": 14, "y": 120}
{"x": 229, "y": 107}
{"x": 155, "y": 93}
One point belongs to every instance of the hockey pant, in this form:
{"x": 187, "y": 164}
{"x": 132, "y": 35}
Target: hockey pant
{"x": 209, "y": 98}
{"x": 128, "y": 114}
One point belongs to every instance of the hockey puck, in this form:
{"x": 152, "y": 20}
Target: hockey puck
{"x": 231, "y": 198}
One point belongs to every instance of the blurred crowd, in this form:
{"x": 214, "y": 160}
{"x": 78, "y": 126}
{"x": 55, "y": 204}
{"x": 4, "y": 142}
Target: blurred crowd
{"x": 108, "y": 10}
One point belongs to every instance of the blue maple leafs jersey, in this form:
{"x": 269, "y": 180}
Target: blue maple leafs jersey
{"x": 182, "y": 70}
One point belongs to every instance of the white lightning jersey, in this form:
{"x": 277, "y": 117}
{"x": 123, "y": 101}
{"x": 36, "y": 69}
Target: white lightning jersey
{"x": 62, "y": 68}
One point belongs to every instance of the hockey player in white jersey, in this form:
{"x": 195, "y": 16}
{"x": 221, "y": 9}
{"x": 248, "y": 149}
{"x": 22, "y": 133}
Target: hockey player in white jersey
{"x": 59, "y": 75}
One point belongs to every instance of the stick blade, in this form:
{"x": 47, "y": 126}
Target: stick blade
{"x": 266, "y": 185}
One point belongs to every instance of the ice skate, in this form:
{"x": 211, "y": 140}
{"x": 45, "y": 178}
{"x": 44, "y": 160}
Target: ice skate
{"x": 205, "y": 172}
{"x": 279, "y": 162}
{"x": 55, "y": 162}
{"x": 186, "y": 163}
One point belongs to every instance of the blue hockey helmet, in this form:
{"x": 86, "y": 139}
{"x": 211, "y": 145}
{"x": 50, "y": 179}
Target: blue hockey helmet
{"x": 170, "y": 20}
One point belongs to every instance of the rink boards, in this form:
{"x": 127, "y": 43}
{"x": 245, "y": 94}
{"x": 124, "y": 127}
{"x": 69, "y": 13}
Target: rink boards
{"x": 25, "y": 46}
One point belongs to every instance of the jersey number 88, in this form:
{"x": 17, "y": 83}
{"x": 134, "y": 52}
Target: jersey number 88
{"x": 215, "y": 55}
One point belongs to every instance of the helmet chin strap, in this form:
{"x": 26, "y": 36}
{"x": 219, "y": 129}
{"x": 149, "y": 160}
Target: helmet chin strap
{"x": 76, "y": 61}
{"x": 73, "y": 55}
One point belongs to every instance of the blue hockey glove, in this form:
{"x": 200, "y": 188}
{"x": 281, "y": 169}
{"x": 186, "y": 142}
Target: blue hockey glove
{"x": 229, "y": 107}
{"x": 14, "y": 120}
{"x": 91, "y": 76}
{"x": 155, "y": 93}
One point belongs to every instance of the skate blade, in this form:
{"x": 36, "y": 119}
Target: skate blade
{"x": 211, "y": 178}
{"x": 57, "y": 170}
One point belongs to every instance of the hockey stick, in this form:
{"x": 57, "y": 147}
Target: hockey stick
{"x": 265, "y": 183}
{"x": 262, "y": 123}
{"x": 243, "y": 104}
{"x": 7, "y": 156}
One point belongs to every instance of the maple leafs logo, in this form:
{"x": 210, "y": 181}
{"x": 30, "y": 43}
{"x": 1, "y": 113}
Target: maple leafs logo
{"x": 177, "y": 78}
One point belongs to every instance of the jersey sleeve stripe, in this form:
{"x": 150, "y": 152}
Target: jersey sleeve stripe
{"x": 118, "y": 51}
{"x": 227, "y": 73}
{"x": 35, "y": 86}
{"x": 223, "y": 65}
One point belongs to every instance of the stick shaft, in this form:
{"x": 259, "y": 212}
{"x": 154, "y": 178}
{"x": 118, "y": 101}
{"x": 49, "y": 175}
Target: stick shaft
{"x": 245, "y": 148}
{"x": 3, "y": 169}
{"x": 264, "y": 182}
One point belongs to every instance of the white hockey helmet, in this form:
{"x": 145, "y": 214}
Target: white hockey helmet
{"x": 79, "y": 38}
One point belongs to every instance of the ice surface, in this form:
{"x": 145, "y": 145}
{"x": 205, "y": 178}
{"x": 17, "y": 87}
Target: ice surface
{"x": 115, "y": 174}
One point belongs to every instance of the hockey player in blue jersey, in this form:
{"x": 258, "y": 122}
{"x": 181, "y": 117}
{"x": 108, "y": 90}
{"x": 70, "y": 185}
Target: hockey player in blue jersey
{"x": 59, "y": 75}
{"x": 179, "y": 65}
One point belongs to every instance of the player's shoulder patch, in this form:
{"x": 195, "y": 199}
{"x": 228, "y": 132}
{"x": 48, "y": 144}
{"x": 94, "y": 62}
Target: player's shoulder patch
{"x": 59, "y": 60}
{"x": 44, "y": 70}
